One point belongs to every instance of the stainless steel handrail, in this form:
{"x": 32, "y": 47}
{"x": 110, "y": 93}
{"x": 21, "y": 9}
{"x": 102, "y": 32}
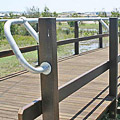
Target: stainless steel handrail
{"x": 30, "y": 29}
{"x": 35, "y": 20}
{"x": 45, "y": 67}
{"x": 104, "y": 24}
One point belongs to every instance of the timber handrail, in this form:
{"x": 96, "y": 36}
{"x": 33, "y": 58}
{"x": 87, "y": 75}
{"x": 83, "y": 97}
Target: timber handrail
{"x": 73, "y": 40}
{"x": 51, "y": 94}
{"x": 61, "y": 42}
{"x": 7, "y": 53}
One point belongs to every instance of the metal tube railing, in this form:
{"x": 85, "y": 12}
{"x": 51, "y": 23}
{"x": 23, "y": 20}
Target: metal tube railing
{"x": 104, "y": 24}
{"x": 30, "y": 29}
{"x": 45, "y": 67}
{"x": 35, "y": 20}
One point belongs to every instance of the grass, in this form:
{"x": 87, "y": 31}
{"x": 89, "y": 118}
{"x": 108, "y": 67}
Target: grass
{"x": 20, "y": 40}
{"x": 7, "y": 65}
{"x": 10, "y": 64}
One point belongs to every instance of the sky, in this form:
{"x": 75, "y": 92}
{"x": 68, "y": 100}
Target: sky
{"x": 60, "y": 5}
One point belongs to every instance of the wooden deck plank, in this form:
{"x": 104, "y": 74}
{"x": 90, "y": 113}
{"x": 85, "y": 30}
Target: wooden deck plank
{"x": 86, "y": 103}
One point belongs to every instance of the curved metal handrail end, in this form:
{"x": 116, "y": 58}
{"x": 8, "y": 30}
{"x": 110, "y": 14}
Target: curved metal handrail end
{"x": 45, "y": 67}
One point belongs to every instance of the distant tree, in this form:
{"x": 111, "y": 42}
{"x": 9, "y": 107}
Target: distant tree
{"x": 115, "y": 13}
{"x": 54, "y": 14}
{"x": 75, "y": 15}
{"x": 46, "y": 12}
{"x": 102, "y": 14}
{"x": 33, "y": 12}
{"x": 60, "y": 23}
{"x": 11, "y": 15}
{"x": 71, "y": 23}
{"x": 14, "y": 28}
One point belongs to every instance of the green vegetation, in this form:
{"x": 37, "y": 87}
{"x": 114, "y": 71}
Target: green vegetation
{"x": 10, "y": 64}
{"x": 33, "y": 12}
{"x": 64, "y": 31}
{"x": 20, "y": 40}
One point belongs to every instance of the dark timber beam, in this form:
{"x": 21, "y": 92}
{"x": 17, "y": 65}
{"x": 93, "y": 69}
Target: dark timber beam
{"x": 49, "y": 83}
{"x": 73, "y": 40}
{"x": 113, "y": 58}
{"x": 100, "y": 39}
{"x": 33, "y": 109}
{"x": 76, "y": 36}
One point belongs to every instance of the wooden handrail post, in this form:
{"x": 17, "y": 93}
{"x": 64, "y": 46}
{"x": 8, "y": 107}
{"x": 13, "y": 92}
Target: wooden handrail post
{"x": 100, "y": 39}
{"x": 37, "y": 47}
{"x": 76, "y": 36}
{"x": 113, "y": 58}
{"x": 49, "y": 83}
{"x": 38, "y": 54}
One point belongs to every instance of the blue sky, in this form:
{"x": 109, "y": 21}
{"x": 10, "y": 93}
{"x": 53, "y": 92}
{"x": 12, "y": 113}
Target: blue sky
{"x": 60, "y": 5}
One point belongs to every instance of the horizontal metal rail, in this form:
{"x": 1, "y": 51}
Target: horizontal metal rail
{"x": 35, "y": 20}
{"x": 29, "y": 28}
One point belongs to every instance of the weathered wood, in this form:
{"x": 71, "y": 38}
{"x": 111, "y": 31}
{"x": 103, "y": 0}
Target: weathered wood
{"x": 73, "y": 40}
{"x": 62, "y": 42}
{"x": 30, "y": 111}
{"x": 100, "y": 39}
{"x": 64, "y": 91}
{"x": 36, "y": 27}
{"x": 76, "y": 46}
{"x": 75, "y": 84}
{"x": 38, "y": 56}
{"x": 13, "y": 75}
{"x": 23, "y": 50}
{"x": 37, "y": 47}
{"x": 86, "y": 102}
{"x": 113, "y": 58}
{"x": 49, "y": 83}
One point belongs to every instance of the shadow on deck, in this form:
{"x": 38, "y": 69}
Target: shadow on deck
{"x": 89, "y": 102}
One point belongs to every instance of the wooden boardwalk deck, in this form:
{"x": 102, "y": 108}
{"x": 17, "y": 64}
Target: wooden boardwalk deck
{"x": 86, "y": 103}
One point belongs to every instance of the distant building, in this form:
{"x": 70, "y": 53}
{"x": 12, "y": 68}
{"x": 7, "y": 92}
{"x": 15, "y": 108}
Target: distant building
{"x": 6, "y": 13}
{"x": 64, "y": 15}
{"x": 2, "y": 15}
